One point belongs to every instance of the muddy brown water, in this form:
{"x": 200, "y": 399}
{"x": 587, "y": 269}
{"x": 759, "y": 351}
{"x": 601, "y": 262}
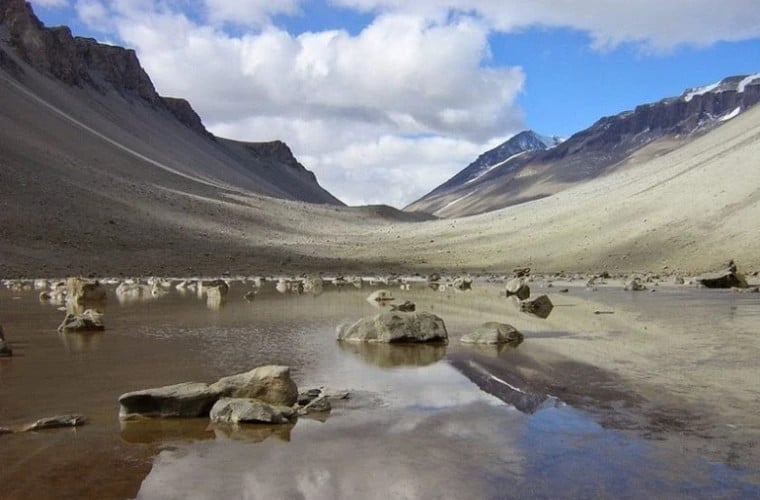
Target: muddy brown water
{"x": 538, "y": 421}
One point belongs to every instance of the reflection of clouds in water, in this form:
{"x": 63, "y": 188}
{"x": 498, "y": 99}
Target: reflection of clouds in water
{"x": 447, "y": 454}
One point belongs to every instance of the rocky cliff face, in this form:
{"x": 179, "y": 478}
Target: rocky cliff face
{"x": 166, "y": 131}
{"x": 74, "y": 60}
{"x": 591, "y": 152}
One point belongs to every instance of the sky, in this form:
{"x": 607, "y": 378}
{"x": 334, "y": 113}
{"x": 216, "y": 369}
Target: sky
{"x": 386, "y": 99}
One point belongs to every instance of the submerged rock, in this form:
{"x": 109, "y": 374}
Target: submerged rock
{"x": 493, "y": 333}
{"x": 56, "y": 422}
{"x": 270, "y": 384}
{"x": 88, "y": 321}
{"x": 190, "y": 399}
{"x": 246, "y": 410}
{"x": 519, "y": 288}
{"x": 396, "y": 327}
{"x": 541, "y": 306}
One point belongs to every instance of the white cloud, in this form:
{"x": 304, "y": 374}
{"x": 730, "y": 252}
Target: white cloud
{"x": 93, "y": 13}
{"x": 654, "y": 25}
{"x": 51, "y": 3}
{"x": 410, "y": 99}
{"x": 249, "y": 12}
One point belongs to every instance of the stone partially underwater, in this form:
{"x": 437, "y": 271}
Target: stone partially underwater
{"x": 264, "y": 395}
{"x": 396, "y": 327}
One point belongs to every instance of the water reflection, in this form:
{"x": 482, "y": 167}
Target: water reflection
{"x": 253, "y": 433}
{"x": 394, "y": 355}
{"x": 159, "y": 430}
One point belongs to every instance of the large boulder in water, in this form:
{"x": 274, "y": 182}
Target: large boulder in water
{"x": 729, "y": 278}
{"x": 541, "y": 306}
{"x": 88, "y": 321}
{"x": 246, "y": 410}
{"x": 396, "y": 326}
{"x": 270, "y": 384}
{"x": 493, "y": 333}
{"x": 190, "y": 399}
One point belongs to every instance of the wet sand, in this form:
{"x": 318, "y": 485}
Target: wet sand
{"x": 648, "y": 401}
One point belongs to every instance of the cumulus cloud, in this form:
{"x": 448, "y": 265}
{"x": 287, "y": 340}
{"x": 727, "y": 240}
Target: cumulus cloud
{"x": 654, "y": 25}
{"x": 387, "y": 112}
{"x": 51, "y": 3}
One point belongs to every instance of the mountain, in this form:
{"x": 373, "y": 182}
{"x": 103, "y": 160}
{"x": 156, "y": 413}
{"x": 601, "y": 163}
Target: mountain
{"x": 611, "y": 143}
{"x": 103, "y": 92}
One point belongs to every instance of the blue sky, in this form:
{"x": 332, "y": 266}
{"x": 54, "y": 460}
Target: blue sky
{"x": 385, "y": 99}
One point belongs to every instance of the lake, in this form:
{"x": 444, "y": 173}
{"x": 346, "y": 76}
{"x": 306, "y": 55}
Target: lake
{"x": 615, "y": 395}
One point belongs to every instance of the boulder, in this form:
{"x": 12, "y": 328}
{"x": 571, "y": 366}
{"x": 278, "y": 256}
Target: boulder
{"x": 463, "y": 283}
{"x": 635, "y": 285}
{"x": 518, "y": 287}
{"x": 725, "y": 279}
{"x": 313, "y": 284}
{"x": 395, "y": 326}
{"x": 219, "y": 287}
{"x": 246, "y": 410}
{"x": 541, "y": 306}
{"x": 56, "y": 422}
{"x": 380, "y": 296}
{"x": 407, "y": 306}
{"x": 81, "y": 291}
{"x": 270, "y": 384}
{"x": 493, "y": 333}
{"x": 190, "y": 399}
{"x": 89, "y": 321}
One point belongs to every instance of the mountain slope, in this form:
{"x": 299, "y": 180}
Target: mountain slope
{"x": 103, "y": 92}
{"x": 612, "y": 142}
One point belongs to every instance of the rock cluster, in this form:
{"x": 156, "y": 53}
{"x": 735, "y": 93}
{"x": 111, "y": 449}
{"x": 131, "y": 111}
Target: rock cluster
{"x": 265, "y": 395}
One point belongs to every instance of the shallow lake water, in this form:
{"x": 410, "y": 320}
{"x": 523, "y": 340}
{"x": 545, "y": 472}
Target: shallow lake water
{"x": 420, "y": 422}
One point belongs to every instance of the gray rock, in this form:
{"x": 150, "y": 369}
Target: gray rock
{"x": 519, "y": 288}
{"x": 635, "y": 285}
{"x": 541, "y": 306}
{"x": 190, "y": 399}
{"x": 463, "y": 283}
{"x": 246, "y": 410}
{"x": 394, "y": 327}
{"x": 56, "y": 422}
{"x": 89, "y": 321}
{"x": 270, "y": 384}
{"x": 81, "y": 291}
{"x": 726, "y": 279}
{"x": 493, "y": 333}
{"x": 407, "y": 306}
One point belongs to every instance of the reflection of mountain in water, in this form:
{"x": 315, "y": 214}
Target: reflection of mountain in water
{"x": 394, "y": 355}
{"x": 509, "y": 388}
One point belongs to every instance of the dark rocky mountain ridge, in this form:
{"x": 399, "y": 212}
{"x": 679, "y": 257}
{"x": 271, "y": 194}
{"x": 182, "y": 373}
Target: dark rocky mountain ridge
{"x": 607, "y": 144}
{"x": 83, "y": 64}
